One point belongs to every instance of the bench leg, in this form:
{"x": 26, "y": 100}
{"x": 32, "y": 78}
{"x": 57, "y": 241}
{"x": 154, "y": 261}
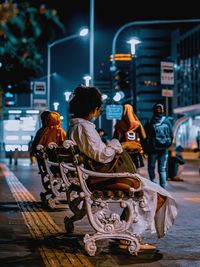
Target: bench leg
{"x": 90, "y": 246}
{"x": 79, "y": 213}
{"x": 110, "y": 225}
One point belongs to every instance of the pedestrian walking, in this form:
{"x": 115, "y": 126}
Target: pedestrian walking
{"x": 198, "y": 142}
{"x": 10, "y": 156}
{"x": 159, "y": 138}
{"x": 31, "y": 154}
{"x": 16, "y": 156}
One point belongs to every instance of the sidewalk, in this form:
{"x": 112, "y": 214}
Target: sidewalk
{"x": 179, "y": 248}
{"x": 189, "y": 155}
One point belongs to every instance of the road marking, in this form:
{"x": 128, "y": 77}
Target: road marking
{"x": 193, "y": 199}
{"x": 41, "y": 226}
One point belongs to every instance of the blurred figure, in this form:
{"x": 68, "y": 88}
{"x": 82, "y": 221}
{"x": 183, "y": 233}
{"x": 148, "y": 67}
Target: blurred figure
{"x": 52, "y": 131}
{"x": 31, "y": 154}
{"x": 131, "y": 134}
{"x": 10, "y": 156}
{"x": 198, "y": 142}
{"x": 175, "y": 164}
{"x": 16, "y": 156}
{"x": 159, "y": 138}
{"x": 43, "y": 117}
{"x": 103, "y": 135}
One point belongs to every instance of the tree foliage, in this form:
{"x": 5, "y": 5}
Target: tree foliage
{"x": 22, "y": 27}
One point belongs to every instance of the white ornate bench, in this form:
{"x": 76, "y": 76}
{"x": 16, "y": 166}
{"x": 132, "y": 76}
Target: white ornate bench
{"x": 100, "y": 203}
{"x": 54, "y": 183}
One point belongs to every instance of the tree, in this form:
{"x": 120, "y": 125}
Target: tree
{"x": 21, "y": 28}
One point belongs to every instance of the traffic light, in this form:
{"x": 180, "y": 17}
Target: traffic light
{"x": 9, "y": 96}
{"x": 9, "y": 99}
{"x": 121, "y": 80}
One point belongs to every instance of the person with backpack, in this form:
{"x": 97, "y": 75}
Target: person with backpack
{"x": 159, "y": 138}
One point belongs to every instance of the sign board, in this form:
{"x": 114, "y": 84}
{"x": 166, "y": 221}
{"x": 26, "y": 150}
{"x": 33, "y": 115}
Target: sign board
{"x": 167, "y": 73}
{"x": 40, "y": 104}
{"x": 39, "y": 88}
{"x": 167, "y": 93}
{"x": 114, "y": 112}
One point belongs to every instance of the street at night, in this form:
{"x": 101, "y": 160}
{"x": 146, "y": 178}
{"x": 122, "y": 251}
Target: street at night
{"x": 99, "y": 133}
{"x": 32, "y": 235}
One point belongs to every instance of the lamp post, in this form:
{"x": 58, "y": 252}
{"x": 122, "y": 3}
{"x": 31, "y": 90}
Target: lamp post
{"x": 133, "y": 42}
{"x": 141, "y": 23}
{"x": 67, "y": 96}
{"x": 83, "y": 32}
{"x": 92, "y": 41}
{"x": 55, "y": 105}
{"x": 87, "y": 79}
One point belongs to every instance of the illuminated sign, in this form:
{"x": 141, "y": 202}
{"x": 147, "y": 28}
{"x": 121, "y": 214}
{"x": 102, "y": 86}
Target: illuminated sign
{"x": 114, "y": 112}
{"x": 167, "y": 73}
{"x": 121, "y": 57}
{"x": 39, "y": 88}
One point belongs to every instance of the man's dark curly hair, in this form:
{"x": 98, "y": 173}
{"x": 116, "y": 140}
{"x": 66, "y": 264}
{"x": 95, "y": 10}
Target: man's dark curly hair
{"x": 84, "y": 100}
{"x": 43, "y": 116}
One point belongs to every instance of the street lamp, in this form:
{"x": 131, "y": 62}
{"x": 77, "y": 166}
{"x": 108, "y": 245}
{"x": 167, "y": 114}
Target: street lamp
{"x": 133, "y": 42}
{"x": 141, "y": 23}
{"x": 118, "y": 96}
{"x": 83, "y": 32}
{"x": 55, "y": 105}
{"x": 87, "y": 79}
{"x": 67, "y": 96}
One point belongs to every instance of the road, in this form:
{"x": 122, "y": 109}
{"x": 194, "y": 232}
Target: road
{"x": 34, "y": 236}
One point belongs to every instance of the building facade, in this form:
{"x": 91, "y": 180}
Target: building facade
{"x": 185, "y": 51}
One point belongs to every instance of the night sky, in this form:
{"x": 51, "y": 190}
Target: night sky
{"x": 119, "y": 12}
{"x": 71, "y": 59}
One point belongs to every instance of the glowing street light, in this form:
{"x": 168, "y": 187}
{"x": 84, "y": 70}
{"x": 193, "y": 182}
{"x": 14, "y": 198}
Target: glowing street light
{"x": 104, "y": 97}
{"x": 55, "y": 105}
{"x": 143, "y": 23}
{"x": 67, "y": 95}
{"x": 133, "y": 42}
{"x": 87, "y": 79}
{"x": 118, "y": 96}
{"x": 83, "y": 32}
{"x": 67, "y": 98}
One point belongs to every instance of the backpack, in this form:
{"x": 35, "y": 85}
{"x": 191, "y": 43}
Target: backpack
{"x": 161, "y": 137}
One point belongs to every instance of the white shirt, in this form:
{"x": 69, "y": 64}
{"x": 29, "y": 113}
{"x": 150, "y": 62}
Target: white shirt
{"x": 84, "y": 134}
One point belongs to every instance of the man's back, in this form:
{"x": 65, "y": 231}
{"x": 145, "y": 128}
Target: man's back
{"x": 159, "y": 133}
{"x": 159, "y": 138}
